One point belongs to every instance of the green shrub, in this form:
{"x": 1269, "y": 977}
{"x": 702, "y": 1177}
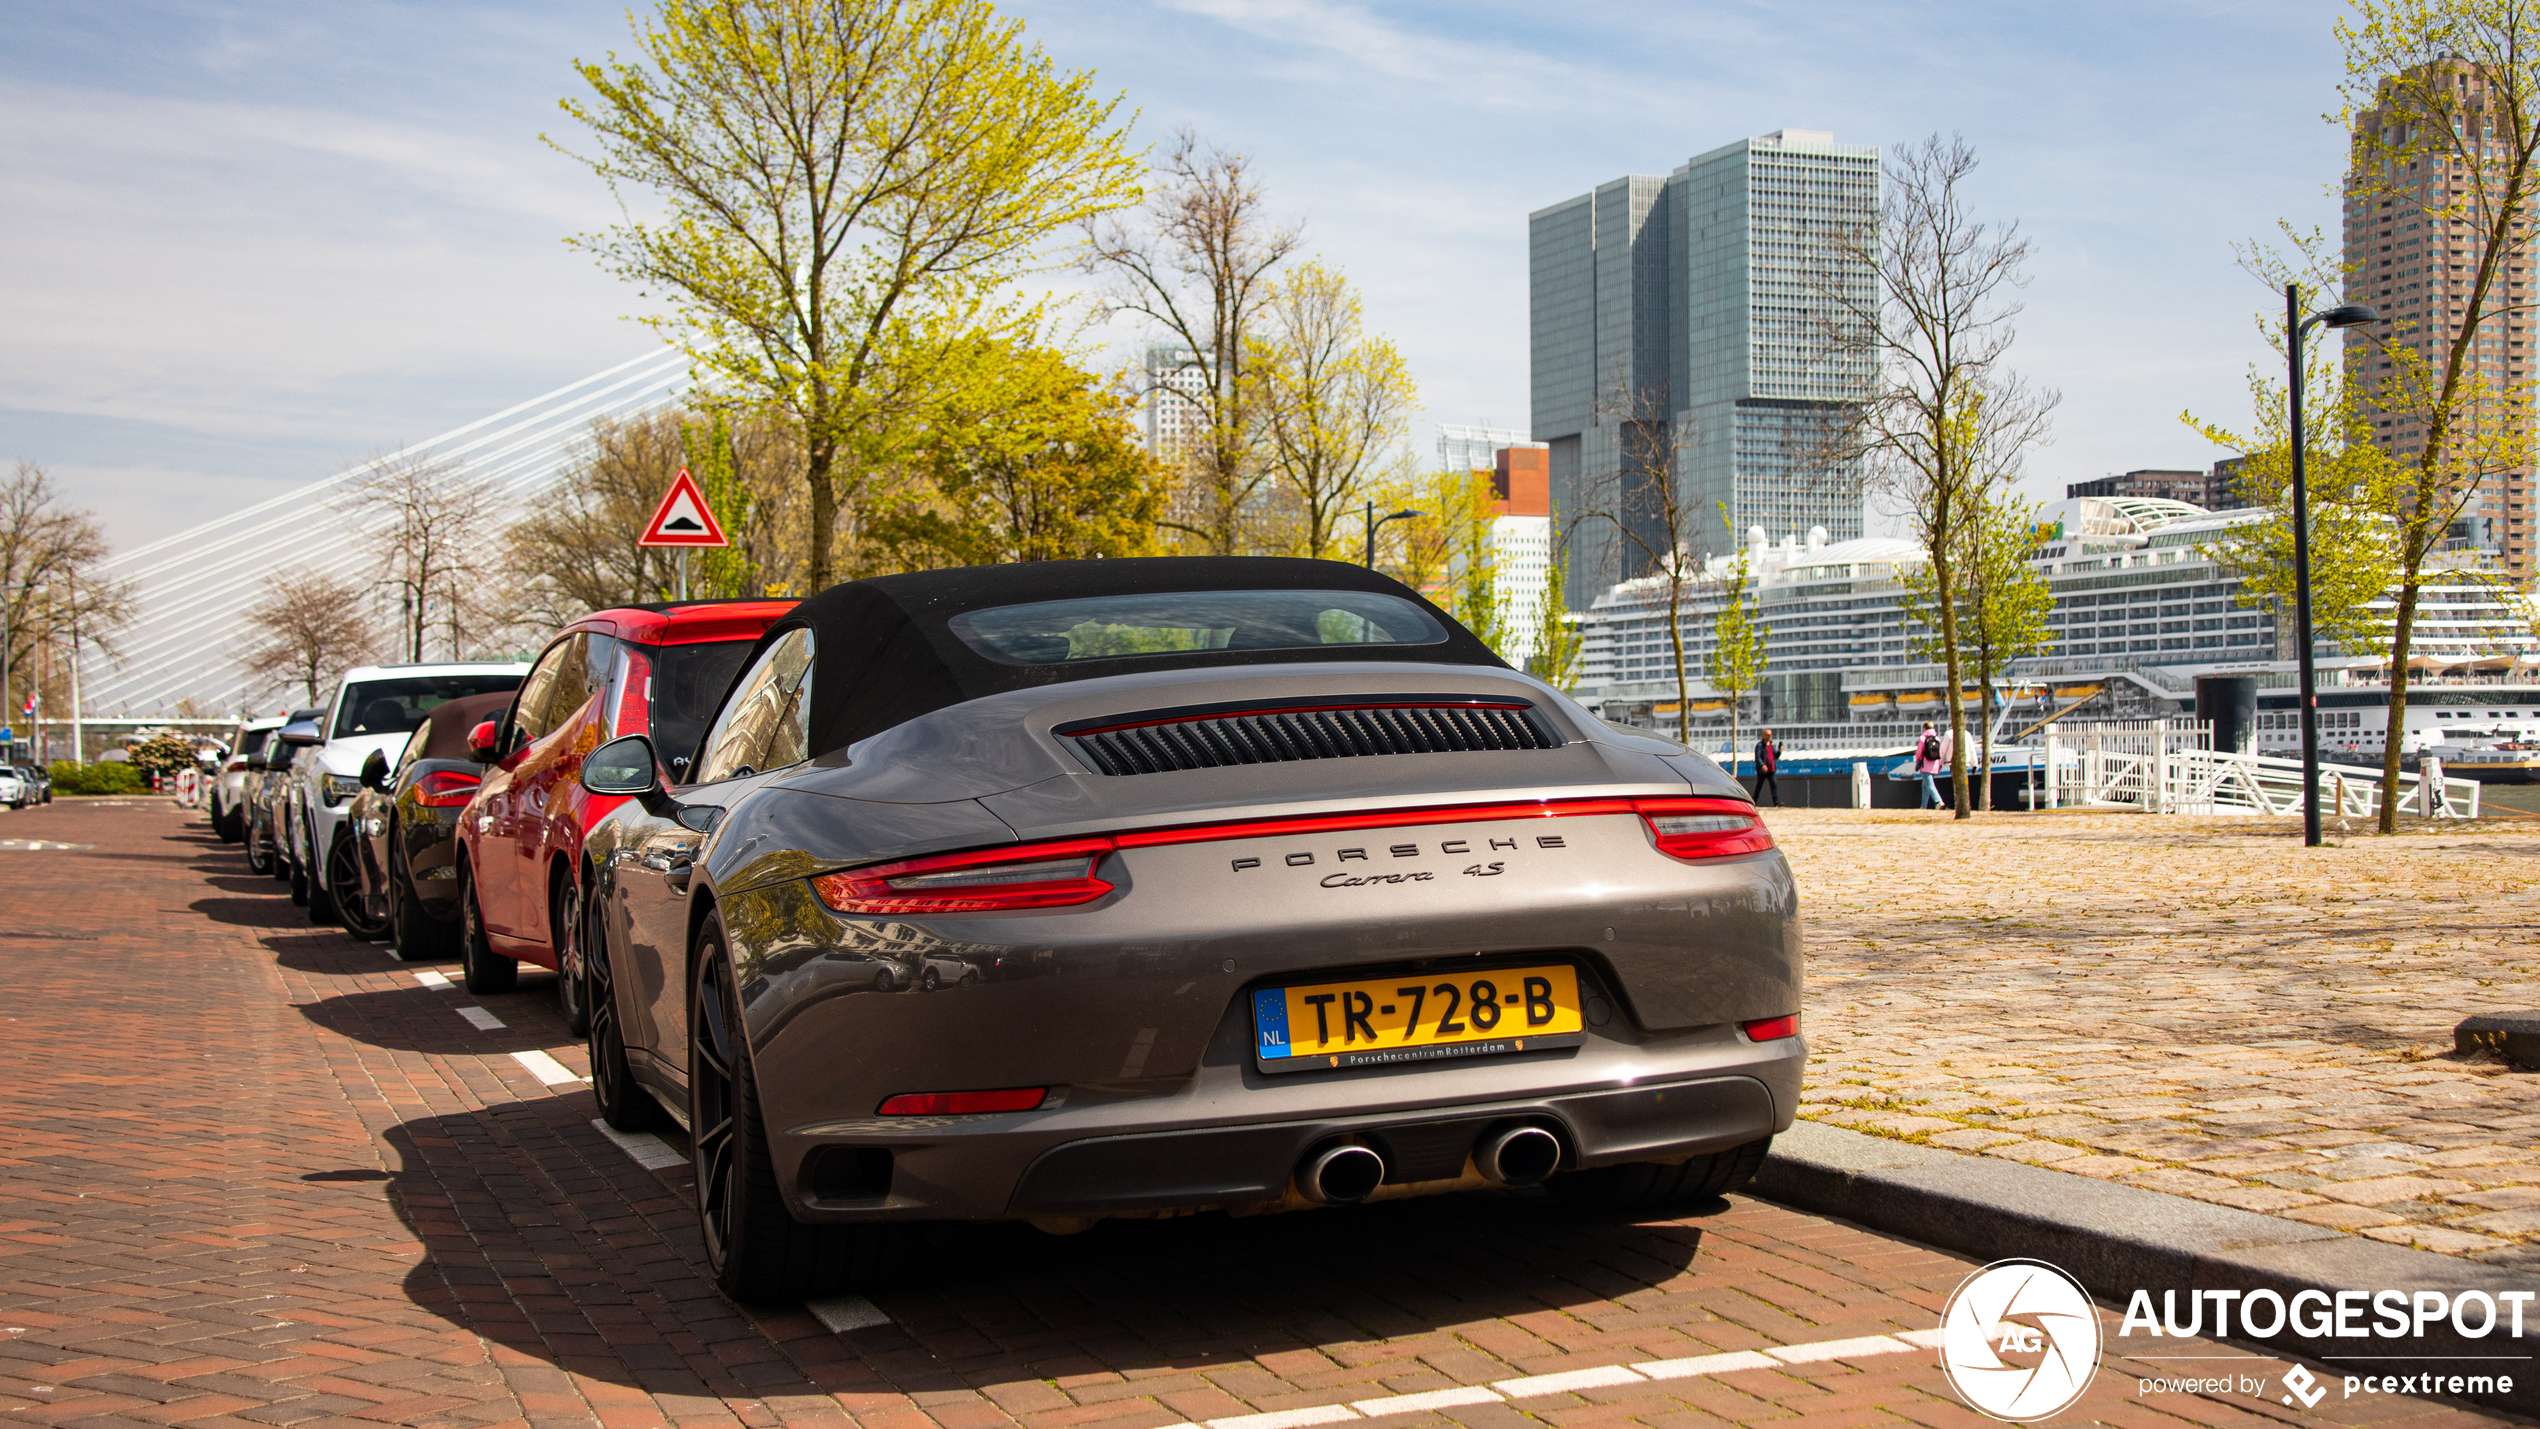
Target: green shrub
{"x": 163, "y": 753}
{"x": 69, "y": 778}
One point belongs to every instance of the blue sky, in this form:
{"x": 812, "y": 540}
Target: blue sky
{"x": 250, "y": 242}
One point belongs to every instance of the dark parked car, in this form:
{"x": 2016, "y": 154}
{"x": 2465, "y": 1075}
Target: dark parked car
{"x": 264, "y": 807}
{"x": 1140, "y": 887}
{"x": 400, "y": 876}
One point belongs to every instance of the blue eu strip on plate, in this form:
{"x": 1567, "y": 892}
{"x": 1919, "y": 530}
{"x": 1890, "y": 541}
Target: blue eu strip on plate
{"x": 1270, "y": 1021}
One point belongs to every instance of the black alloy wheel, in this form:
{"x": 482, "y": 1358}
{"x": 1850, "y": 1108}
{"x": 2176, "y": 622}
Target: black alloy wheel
{"x": 482, "y": 970}
{"x": 345, "y": 889}
{"x": 564, "y": 933}
{"x": 418, "y": 936}
{"x": 259, "y": 860}
{"x": 623, "y": 1104}
{"x": 755, "y": 1248}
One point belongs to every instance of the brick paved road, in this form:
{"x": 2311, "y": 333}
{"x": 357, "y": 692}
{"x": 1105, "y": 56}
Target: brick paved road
{"x": 2199, "y": 1006}
{"x": 255, "y": 1174}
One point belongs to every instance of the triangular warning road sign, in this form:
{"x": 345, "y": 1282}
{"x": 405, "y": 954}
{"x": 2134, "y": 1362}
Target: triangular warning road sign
{"x": 683, "y": 519}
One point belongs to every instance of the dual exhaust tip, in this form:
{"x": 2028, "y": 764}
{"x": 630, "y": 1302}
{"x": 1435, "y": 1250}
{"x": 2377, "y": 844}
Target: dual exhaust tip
{"x": 1346, "y": 1173}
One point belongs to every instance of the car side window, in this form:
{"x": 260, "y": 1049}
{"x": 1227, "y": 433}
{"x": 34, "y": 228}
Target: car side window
{"x": 529, "y": 713}
{"x": 413, "y": 751}
{"x": 755, "y": 722}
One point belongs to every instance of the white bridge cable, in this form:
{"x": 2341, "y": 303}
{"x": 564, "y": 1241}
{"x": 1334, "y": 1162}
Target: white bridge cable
{"x": 193, "y": 596}
{"x": 182, "y": 540}
{"x": 176, "y": 622}
{"x": 525, "y": 465}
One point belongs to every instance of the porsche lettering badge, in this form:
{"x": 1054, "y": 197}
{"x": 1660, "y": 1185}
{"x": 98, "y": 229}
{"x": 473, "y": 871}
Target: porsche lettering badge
{"x": 1451, "y": 848}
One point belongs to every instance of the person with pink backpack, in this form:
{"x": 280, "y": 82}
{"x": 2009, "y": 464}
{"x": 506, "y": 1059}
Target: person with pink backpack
{"x": 1927, "y": 764}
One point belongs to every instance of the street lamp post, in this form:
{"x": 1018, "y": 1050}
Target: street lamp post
{"x": 2297, "y": 327}
{"x": 1373, "y": 522}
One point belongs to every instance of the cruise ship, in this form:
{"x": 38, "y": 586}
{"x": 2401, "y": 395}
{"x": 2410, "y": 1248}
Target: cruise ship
{"x": 2141, "y": 611}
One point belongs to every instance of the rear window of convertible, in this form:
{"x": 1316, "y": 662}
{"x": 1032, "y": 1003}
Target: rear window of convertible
{"x": 1108, "y": 627}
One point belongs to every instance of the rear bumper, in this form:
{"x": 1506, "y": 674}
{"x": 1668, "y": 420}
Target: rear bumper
{"x": 1233, "y": 1138}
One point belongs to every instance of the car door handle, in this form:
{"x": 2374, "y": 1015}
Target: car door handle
{"x": 676, "y": 880}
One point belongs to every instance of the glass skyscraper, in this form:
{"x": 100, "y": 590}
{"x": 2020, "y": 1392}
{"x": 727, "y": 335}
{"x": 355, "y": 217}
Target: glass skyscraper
{"x": 1678, "y": 323}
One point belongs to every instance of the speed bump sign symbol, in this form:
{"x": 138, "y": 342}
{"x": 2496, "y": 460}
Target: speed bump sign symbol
{"x": 2020, "y": 1340}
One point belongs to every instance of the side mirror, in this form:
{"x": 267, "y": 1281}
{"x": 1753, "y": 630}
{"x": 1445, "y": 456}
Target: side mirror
{"x": 375, "y": 771}
{"x": 256, "y": 760}
{"x": 622, "y": 767}
{"x": 300, "y": 735}
{"x": 480, "y": 742}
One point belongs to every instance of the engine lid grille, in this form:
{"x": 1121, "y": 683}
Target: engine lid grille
{"x": 1215, "y": 738}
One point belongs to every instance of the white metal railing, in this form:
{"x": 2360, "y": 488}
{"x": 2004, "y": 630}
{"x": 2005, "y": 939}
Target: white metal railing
{"x": 2201, "y": 781}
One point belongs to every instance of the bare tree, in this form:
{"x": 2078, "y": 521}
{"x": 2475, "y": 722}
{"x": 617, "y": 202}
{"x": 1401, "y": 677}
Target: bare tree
{"x": 45, "y": 582}
{"x": 1194, "y": 265}
{"x": 1653, "y": 516}
{"x": 1948, "y": 422}
{"x": 428, "y": 526}
{"x": 308, "y": 628}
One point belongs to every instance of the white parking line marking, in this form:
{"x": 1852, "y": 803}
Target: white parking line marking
{"x": 841, "y": 1313}
{"x": 1707, "y": 1364}
{"x": 1287, "y": 1418}
{"x": 546, "y": 1069}
{"x": 432, "y": 979}
{"x": 1569, "y": 1381}
{"x": 649, "y": 1151}
{"x": 480, "y": 1019}
{"x": 1423, "y": 1403}
{"x": 1839, "y": 1350}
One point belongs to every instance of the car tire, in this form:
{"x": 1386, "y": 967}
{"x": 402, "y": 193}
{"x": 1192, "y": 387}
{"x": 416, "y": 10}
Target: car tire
{"x": 419, "y": 937}
{"x": 321, "y": 895}
{"x": 564, "y": 931}
{"x": 299, "y": 877}
{"x": 257, "y": 862}
{"x": 1641, "y": 1185}
{"x": 225, "y": 824}
{"x": 345, "y": 891}
{"x": 623, "y": 1104}
{"x": 482, "y": 970}
{"x": 755, "y": 1249}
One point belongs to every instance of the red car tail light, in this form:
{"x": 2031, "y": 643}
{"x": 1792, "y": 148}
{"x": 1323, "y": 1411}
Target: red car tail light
{"x": 445, "y": 789}
{"x": 1771, "y": 1029}
{"x": 1699, "y": 829}
{"x": 961, "y": 1103}
{"x": 635, "y": 702}
{"x": 991, "y": 880}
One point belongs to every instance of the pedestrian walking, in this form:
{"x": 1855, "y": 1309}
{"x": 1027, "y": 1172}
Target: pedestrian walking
{"x": 1927, "y": 764}
{"x": 1768, "y": 765}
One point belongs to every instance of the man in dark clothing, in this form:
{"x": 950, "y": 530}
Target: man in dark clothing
{"x": 1768, "y": 764}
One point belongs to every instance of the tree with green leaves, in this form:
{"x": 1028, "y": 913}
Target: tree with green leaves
{"x": 1329, "y": 400}
{"x": 2353, "y": 486}
{"x": 1559, "y": 642}
{"x": 1734, "y": 665}
{"x": 833, "y": 197}
{"x": 2007, "y": 601}
{"x": 1034, "y": 459}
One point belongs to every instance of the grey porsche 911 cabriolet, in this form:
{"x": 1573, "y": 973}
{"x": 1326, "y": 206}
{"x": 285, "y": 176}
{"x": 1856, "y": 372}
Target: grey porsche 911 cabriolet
{"x": 1079, "y": 889}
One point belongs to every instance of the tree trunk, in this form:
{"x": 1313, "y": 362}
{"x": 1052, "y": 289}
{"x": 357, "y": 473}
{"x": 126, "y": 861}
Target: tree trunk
{"x": 1676, "y": 635}
{"x": 819, "y": 477}
{"x": 2396, "y": 733}
{"x": 1984, "y": 747}
{"x": 1949, "y": 662}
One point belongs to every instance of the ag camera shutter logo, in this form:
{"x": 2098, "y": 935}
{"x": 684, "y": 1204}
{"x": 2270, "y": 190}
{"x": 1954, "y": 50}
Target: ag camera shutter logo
{"x": 2020, "y": 1340}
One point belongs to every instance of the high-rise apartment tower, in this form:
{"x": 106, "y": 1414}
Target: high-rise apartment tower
{"x": 1678, "y": 322}
{"x": 2416, "y": 266}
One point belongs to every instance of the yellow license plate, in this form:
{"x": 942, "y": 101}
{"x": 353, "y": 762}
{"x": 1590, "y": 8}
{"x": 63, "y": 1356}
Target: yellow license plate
{"x": 1407, "y": 1018}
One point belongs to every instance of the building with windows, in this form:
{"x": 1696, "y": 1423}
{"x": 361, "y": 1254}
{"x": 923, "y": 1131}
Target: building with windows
{"x": 2215, "y": 490}
{"x": 1174, "y": 412}
{"x": 1677, "y": 334}
{"x": 2416, "y": 266}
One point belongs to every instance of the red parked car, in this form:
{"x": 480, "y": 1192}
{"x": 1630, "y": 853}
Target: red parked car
{"x": 657, "y": 670}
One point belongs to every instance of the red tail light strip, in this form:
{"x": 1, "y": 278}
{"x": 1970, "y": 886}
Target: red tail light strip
{"x": 1772, "y": 1029}
{"x": 963, "y": 1103}
{"x": 445, "y": 789}
{"x": 1065, "y": 872}
{"x": 635, "y": 701}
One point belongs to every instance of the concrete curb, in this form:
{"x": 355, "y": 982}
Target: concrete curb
{"x": 2513, "y": 1035}
{"x": 2117, "y": 1239}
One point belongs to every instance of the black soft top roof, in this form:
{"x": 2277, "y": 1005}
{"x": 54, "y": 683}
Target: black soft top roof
{"x": 886, "y": 653}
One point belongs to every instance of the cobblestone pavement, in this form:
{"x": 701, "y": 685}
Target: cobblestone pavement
{"x": 2197, "y": 1006}
{"x": 254, "y": 1174}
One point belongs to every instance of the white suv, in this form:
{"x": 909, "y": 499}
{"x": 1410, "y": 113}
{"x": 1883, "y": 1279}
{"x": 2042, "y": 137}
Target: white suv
{"x": 375, "y": 708}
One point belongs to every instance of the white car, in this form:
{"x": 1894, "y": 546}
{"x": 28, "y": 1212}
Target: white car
{"x": 227, "y": 801}
{"x": 13, "y": 790}
{"x": 375, "y": 708}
